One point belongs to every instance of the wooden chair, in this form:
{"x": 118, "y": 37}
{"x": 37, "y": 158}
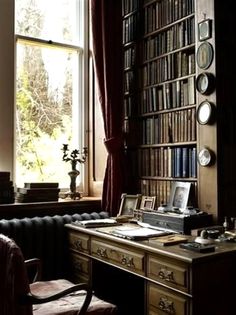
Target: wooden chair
{"x": 20, "y": 297}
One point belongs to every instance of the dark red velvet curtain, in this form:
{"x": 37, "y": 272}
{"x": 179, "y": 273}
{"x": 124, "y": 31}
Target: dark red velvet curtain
{"x": 107, "y": 52}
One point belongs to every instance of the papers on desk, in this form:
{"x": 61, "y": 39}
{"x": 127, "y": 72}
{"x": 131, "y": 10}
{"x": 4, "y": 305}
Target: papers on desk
{"x": 96, "y": 223}
{"x": 135, "y": 233}
{"x": 147, "y": 225}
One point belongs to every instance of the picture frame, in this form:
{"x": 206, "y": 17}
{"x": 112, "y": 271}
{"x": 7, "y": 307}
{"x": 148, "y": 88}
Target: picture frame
{"x": 128, "y": 204}
{"x": 204, "y": 29}
{"x": 179, "y": 195}
{"x": 147, "y": 203}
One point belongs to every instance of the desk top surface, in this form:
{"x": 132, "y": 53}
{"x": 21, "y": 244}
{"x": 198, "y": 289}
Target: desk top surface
{"x": 151, "y": 245}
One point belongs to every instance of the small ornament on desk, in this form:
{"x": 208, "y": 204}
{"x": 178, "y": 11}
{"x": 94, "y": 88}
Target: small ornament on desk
{"x": 163, "y": 208}
{"x": 189, "y": 210}
{"x": 226, "y": 224}
{"x": 203, "y": 238}
{"x": 74, "y": 157}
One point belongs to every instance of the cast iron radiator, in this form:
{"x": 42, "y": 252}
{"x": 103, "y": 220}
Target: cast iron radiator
{"x": 45, "y": 238}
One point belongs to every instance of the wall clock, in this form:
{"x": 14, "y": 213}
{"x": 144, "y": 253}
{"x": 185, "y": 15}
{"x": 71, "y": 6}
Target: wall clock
{"x": 205, "y": 113}
{"x": 205, "y": 83}
{"x": 205, "y": 55}
{"x": 205, "y": 157}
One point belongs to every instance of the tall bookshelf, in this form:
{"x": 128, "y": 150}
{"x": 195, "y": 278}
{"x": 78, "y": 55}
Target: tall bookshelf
{"x": 162, "y": 68}
{"x": 165, "y": 98}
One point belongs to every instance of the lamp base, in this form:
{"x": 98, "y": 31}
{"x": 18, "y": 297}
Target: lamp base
{"x": 72, "y": 195}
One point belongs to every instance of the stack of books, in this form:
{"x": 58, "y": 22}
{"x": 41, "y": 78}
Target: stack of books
{"x": 6, "y": 188}
{"x": 38, "y": 192}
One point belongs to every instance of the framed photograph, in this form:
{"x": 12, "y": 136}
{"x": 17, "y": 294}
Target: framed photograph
{"x": 128, "y": 204}
{"x": 147, "y": 203}
{"x": 179, "y": 195}
{"x": 204, "y": 29}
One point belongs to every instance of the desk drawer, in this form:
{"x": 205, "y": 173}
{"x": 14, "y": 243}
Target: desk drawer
{"x": 80, "y": 267}
{"x": 79, "y": 242}
{"x": 119, "y": 256}
{"x": 162, "y": 301}
{"x": 171, "y": 273}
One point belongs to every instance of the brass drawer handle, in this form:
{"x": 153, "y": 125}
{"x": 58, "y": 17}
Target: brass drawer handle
{"x": 102, "y": 252}
{"x": 78, "y": 244}
{"x": 166, "y": 305}
{"x": 78, "y": 266}
{"x": 166, "y": 275}
{"x": 128, "y": 261}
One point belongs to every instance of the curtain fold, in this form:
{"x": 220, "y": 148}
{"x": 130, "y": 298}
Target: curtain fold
{"x": 107, "y": 52}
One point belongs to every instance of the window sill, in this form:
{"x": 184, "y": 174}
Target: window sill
{"x": 60, "y": 207}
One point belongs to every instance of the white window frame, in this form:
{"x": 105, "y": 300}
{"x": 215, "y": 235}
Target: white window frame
{"x": 8, "y": 92}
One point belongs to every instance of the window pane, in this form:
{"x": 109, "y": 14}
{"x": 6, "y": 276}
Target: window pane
{"x": 55, "y": 20}
{"x": 47, "y": 95}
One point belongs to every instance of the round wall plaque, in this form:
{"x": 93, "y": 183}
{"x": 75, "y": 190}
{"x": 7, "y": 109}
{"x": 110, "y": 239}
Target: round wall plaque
{"x": 204, "y": 55}
{"x": 205, "y": 83}
{"x": 205, "y": 157}
{"x": 205, "y": 113}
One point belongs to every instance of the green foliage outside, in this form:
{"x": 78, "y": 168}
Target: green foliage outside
{"x": 43, "y": 110}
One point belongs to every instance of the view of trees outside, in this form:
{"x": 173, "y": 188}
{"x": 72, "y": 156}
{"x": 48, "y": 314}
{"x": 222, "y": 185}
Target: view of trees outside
{"x": 45, "y": 90}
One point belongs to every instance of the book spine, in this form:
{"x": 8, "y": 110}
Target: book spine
{"x": 41, "y": 185}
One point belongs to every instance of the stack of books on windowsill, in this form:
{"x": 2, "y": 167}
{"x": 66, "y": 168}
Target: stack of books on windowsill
{"x": 6, "y": 188}
{"x": 38, "y": 192}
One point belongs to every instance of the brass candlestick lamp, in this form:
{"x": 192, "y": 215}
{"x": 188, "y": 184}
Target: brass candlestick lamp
{"x": 74, "y": 157}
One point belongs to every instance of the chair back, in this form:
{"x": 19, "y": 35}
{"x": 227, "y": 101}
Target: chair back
{"x": 14, "y": 282}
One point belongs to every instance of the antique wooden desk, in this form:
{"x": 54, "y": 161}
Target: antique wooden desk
{"x": 174, "y": 280}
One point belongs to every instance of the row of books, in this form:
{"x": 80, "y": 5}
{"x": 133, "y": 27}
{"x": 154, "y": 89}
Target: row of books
{"x": 131, "y": 131}
{"x": 161, "y": 13}
{"x": 131, "y": 28}
{"x": 37, "y": 192}
{"x": 130, "y": 56}
{"x": 170, "y": 67}
{"x": 6, "y": 188}
{"x": 129, "y": 6}
{"x": 171, "y": 162}
{"x": 130, "y": 105}
{"x": 176, "y": 37}
{"x": 158, "y": 188}
{"x": 168, "y": 96}
{"x": 171, "y": 10}
{"x": 161, "y": 189}
{"x": 31, "y": 192}
{"x": 129, "y": 81}
{"x": 171, "y": 127}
